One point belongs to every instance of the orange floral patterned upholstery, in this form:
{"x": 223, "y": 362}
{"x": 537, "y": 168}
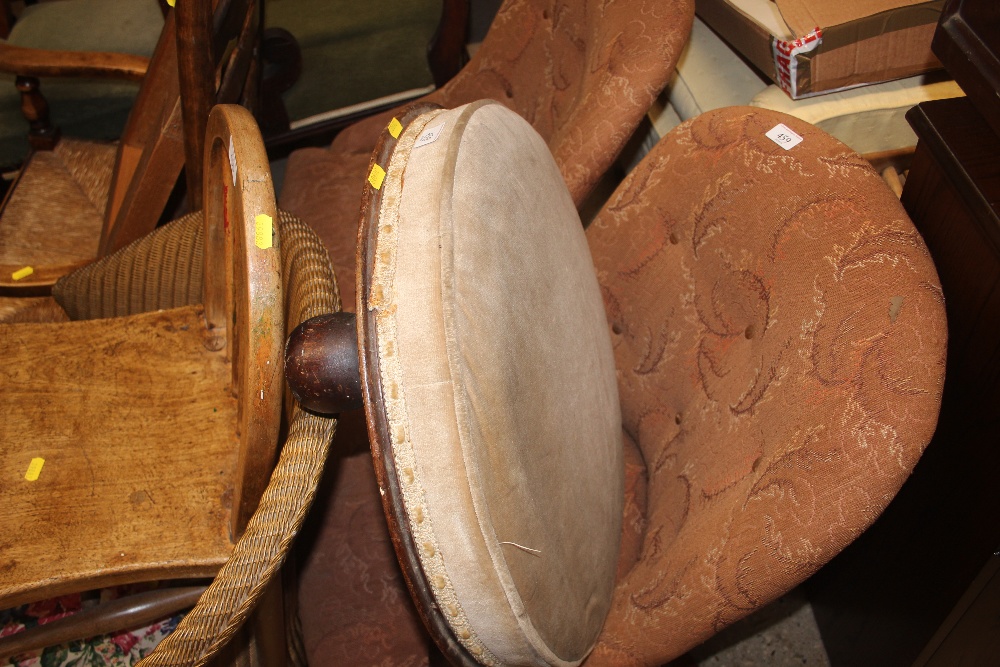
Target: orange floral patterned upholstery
{"x": 779, "y": 335}
{"x": 582, "y": 72}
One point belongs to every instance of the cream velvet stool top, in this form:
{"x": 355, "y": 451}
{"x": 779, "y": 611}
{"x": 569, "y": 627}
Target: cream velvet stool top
{"x": 489, "y": 386}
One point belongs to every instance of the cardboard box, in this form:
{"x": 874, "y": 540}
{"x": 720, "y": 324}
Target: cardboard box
{"x": 815, "y": 46}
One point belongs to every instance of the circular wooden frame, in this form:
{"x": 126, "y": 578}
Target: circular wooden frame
{"x": 246, "y": 298}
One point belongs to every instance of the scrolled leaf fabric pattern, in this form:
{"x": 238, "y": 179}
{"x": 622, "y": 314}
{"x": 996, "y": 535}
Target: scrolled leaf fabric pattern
{"x": 779, "y": 335}
{"x": 582, "y": 72}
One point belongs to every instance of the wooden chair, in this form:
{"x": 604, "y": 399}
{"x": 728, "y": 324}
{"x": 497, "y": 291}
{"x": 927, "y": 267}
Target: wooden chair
{"x": 74, "y": 200}
{"x": 353, "y": 62}
{"x": 609, "y": 445}
{"x": 140, "y": 445}
{"x": 85, "y": 109}
{"x": 583, "y": 73}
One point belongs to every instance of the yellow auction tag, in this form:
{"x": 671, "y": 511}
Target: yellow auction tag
{"x": 22, "y": 273}
{"x": 263, "y": 231}
{"x": 171, "y": 2}
{"x": 34, "y": 469}
{"x": 395, "y": 127}
{"x": 376, "y": 176}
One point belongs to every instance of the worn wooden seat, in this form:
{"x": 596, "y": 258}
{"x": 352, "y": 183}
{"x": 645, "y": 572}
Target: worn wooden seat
{"x": 76, "y": 200}
{"x": 140, "y": 487}
{"x": 139, "y": 447}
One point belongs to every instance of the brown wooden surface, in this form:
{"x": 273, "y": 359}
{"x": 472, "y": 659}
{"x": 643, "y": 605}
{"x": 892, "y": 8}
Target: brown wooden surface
{"x": 38, "y": 283}
{"x": 240, "y": 71}
{"x": 268, "y": 626}
{"x": 133, "y": 611}
{"x": 151, "y": 151}
{"x": 321, "y": 364}
{"x": 137, "y": 431}
{"x": 249, "y": 293}
{"x": 6, "y": 19}
{"x": 197, "y": 82}
{"x": 25, "y": 61}
{"x": 42, "y": 135}
{"x": 882, "y": 600}
{"x": 968, "y": 43}
{"x": 446, "y": 53}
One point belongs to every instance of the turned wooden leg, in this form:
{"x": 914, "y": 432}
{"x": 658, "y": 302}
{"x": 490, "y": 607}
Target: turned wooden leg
{"x": 42, "y": 136}
{"x": 282, "y": 66}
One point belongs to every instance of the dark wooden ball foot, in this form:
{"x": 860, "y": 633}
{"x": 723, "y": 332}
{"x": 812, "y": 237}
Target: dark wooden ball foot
{"x": 321, "y": 364}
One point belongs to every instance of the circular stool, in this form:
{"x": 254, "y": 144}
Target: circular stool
{"x": 484, "y": 361}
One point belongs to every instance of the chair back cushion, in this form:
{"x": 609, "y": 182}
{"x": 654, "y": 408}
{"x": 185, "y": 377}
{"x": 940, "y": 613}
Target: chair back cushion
{"x": 498, "y": 386}
{"x": 779, "y": 331}
{"x": 583, "y": 73}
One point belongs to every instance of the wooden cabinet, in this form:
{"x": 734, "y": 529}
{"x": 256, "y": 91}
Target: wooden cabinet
{"x": 896, "y": 592}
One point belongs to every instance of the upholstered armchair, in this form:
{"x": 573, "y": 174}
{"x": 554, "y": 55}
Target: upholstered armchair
{"x": 606, "y": 446}
{"x": 582, "y": 72}
{"x": 779, "y": 335}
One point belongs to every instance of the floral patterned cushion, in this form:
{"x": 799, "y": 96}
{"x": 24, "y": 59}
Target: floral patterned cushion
{"x": 114, "y": 650}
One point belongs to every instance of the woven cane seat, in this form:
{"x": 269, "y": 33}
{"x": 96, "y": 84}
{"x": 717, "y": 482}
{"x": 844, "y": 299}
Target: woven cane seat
{"x": 492, "y": 387}
{"x": 75, "y": 178}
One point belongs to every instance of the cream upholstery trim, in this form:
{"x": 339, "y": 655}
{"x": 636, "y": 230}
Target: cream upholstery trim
{"x": 710, "y": 75}
{"x": 492, "y": 452}
{"x": 411, "y": 475}
{"x": 869, "y": 119}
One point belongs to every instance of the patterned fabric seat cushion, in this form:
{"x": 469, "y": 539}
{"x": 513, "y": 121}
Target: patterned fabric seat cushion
{"x": 779, "y": 335}
{"x": 120, "y": 648}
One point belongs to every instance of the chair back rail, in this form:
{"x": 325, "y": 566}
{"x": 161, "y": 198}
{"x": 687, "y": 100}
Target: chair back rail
{"x": 164, "y": 130}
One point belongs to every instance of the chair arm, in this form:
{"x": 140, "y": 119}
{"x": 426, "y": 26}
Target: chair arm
{"x": 25, "y": 61}
{"x": 310, "y": 289}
